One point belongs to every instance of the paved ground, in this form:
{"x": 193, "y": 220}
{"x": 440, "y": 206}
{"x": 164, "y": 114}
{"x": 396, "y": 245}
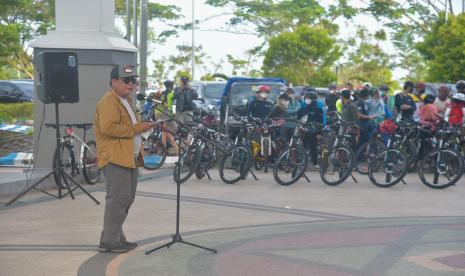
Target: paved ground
{"x": 258, "y": 228}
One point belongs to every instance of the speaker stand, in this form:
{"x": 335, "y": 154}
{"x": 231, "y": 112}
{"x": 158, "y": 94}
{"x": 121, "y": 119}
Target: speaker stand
{"x": 62, "y": 175}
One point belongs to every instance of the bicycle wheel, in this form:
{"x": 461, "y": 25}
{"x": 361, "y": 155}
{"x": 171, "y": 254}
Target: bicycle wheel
{"x": 206, "y": 157}
{"x": 89, "y": 163}
{"x": 234, "y": 166}
{"x": 68, "y": 161}
{"x": 366, "y": 154}
{"x": 188, "y": 163}
{"x": 154, "y": 153}
{"x": 290, "y": 165}
{"x": 441, "y": 169}
{"x": 336, "y": 165}
{"x": 388, "y": 168}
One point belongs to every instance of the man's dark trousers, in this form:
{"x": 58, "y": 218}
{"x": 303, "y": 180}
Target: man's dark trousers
{"x": 121, "y": 184}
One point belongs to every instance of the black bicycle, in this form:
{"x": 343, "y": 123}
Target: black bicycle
{"x": 337, "y": 158}
{"x": 292, "y": 163}
{"x": 442, "y": 167}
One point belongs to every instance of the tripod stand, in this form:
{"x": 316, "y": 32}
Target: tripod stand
{"x": 176, "y": 238}
{"x": 61, "y": 173}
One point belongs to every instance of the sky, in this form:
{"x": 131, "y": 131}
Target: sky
{"x": 218, "y": 44}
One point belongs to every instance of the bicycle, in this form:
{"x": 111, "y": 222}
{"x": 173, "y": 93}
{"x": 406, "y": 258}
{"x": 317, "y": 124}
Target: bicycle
{"x": 262, "y": 149}
{"x": 367, "y": 153}
{"x": 155, "y": 151}
{"x": 87, "y": 160}
{"x": 236, "y": 163}
{"x": 390, "y": 166}
{"x": 444, "y": 163}
{"x": 292, "y": 163}
{"x": 337, "y": 159}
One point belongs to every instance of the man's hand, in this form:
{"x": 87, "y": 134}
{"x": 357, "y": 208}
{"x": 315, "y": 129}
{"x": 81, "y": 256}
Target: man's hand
{"x": 146, "y": 126}
{"x": 405, "y": 107}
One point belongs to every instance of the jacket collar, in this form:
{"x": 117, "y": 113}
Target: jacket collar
{"x": 113, "y": 93}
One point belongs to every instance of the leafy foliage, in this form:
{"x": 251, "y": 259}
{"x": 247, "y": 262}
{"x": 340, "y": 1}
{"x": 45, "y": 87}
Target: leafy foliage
{"x": 10, "y": 113}
{"x": 21, "y": 21}
{"x": 443, "y": 48}
{"x": 366, "y": 60}
{"x": 302, "y": 56}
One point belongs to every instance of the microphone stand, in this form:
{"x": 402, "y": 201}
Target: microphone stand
{"x": 177, "y": 238}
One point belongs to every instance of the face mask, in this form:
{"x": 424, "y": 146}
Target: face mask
{"x": 308, "y": 101}
{"x": 291, "y": 96}
{"x": 264, "y": 95}
{"x": 286, "y": 104}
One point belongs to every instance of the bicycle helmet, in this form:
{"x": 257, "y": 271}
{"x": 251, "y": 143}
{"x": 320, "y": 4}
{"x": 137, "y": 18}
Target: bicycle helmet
{"x": 458, "y": 97}
{"x": 367, "y": 85}
{"x": 460, "y": 85}
{"x": 264, "y": 88}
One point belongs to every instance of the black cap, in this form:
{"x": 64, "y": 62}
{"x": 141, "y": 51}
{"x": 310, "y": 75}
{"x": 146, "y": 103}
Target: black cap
{"x": 345, "y": 93}
{"x": 284, "y": 96}
{"x": 311, "y": 95}
{"x": 123, "y": 71}
{"x": 365, "y": 92}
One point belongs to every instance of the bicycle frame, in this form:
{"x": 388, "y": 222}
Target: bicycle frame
{"x": 70, "y": 138}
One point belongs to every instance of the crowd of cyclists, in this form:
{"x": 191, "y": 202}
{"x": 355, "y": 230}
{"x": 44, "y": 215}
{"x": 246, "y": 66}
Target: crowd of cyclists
{"x": 361, "y": 116}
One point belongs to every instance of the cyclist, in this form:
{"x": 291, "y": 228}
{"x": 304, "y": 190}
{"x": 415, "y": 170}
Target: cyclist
{"x": 184, "y": 97}
{"x": 389, "y": 101}
{"x": 455, "y": 115}
{"x": 442, "y": 102}
{"x": 429, "y": 113}
{"x": 278, "y": 113}
{"x": 365, "y": 118}
{"x": 376, "y": 106}
{"x": 313, "y": 113}
{"x": 166, "y": 97}
{"x": 348, "y": 86}
{"x": 404, "y": 103}
{"x": 147, "y": 113}
{"x": 460, "y": 86}
{"x": 291, "y": 113}
{"x": 260, "y": 107}
{"x": 418, "y": 95}
{"x": 349, "y": 112}
{"x": 332, "y": 98}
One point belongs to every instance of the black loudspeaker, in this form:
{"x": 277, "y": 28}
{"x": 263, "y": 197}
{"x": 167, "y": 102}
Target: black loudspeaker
{"x": 58, "y": 77}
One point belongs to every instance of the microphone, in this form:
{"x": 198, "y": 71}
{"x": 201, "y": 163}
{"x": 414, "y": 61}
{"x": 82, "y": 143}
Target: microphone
{"x": 142, "y": 97}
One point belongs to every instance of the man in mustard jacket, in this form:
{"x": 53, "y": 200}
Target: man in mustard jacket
{"x": 119, "y": 153}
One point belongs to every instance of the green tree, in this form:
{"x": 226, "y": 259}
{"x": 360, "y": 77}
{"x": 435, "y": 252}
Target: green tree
{"x": 366, "y": 60}
{"x": 270, "y": 18}
{"x": 409, "y": 21}
{"x": 155, "y": 12}
{"x": 21, "y": 21}
{"x": 183, "y": 60}
{"x": 302, "y": 56}
{"x": 238, "y": 65}
{"x": 443, "y": 48}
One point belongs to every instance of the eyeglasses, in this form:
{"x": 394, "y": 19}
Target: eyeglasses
{"x": 127, "y": 80}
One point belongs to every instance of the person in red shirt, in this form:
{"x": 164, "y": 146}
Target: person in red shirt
{"x": 455, "y": 115}
{"x": 429, "y": 115}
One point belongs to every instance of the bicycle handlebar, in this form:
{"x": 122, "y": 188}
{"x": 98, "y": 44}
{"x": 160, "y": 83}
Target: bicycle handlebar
{"x": 83, "y": 126}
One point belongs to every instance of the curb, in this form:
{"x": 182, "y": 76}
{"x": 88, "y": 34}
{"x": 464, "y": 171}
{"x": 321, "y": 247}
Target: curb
{"x": 16, "y": 159}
